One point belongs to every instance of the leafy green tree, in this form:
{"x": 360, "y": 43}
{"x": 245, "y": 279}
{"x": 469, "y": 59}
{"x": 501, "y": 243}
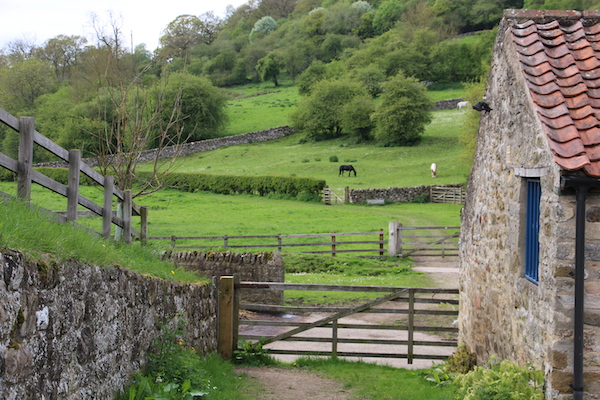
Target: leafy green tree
{"x": 187, "y": 31}
{"x": 386, "y": 15}
{"x": 371, "y": 77}
{"x": 263, "y": 27}
{"x": 268, "y": 68}
{"x": 62, "y": 52}
{"x": 23, "y": 83}
{"x": 403, "y": 113}
{"x": 203, "y": 107}
{"x": 320, "y": 113}
{"x": 315, "y": 72}
{"x": 355, "y": 118}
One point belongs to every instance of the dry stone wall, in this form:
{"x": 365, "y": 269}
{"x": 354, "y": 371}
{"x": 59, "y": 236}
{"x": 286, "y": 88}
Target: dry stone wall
{"x": 394, "y": 195}
{"x": 70, "y": 331}
{"x": 250, "y": 267}
{"x": 195, "y": 147}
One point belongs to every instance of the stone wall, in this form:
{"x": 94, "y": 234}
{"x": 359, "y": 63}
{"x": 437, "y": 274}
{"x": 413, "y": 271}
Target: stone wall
{"x": 195, "y": 147}
{"x": 70, "y": 331}
{"x": 394, "y": 195}
{"x": 501, "y": 312}
{"x": 250, "y": 267}
{"x": 446, "y": 104}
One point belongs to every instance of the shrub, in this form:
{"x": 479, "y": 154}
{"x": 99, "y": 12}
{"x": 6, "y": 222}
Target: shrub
{"x": 333, "y": 159}
{"x": 501, "y": 380}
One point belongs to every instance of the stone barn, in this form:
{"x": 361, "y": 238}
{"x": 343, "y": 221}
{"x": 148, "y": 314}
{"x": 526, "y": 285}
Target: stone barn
{"x": 530, "y": 237}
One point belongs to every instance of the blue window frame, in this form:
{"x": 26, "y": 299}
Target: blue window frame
{"x": 532, "y": 230}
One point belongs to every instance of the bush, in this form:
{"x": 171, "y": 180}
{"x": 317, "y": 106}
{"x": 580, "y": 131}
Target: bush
{"x": 237, "y": 184}
{"x": 501, "y": 380}
{"x": 333, "y": 159}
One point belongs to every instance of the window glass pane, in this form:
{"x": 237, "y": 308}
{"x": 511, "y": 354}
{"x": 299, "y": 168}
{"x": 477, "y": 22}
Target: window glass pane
{"x": 532, "y": 230}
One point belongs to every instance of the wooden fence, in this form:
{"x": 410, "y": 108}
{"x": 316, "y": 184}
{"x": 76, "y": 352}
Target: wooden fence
{"x": 444, "y": 194}
{"x": 336, "y": 195}
{"x": 421, "y": 310}
{"x": 26, "y": 175}
{"x": 401, "y": 241}
{"x": 337, "y": 243}
{"x": 426, "y": 240}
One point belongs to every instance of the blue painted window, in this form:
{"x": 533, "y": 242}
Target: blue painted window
{"x": 532, "y": 230}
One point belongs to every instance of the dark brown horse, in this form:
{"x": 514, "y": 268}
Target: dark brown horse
{"x": 348, "y": 168}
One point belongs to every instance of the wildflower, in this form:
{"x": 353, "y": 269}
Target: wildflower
{"x": 173, "y": 272}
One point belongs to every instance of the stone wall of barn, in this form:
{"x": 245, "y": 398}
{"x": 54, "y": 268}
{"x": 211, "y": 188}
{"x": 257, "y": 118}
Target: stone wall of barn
{"x": 250, "y": 267}
{"x": 70, "y": 331}
{"x": 501, "y": 312}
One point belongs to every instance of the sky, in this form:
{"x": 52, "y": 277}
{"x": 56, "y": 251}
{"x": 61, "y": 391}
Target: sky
{"x": 40, "y": 20}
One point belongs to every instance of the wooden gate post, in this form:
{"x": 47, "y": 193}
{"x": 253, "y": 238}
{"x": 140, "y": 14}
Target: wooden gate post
{"x": 73, "y": 185}
{"x": 25, "y": 158}
{"x": 227, "y": 316}
{"x": 395, "y": 239}
{"x": 109, "y": 187}
{"x": 347, "y": 195}
{"x": 326, "y": 195}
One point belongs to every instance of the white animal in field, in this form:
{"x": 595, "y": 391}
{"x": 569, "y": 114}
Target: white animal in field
{"x": 462, "y": 104}
{"x": 433, "y": 170}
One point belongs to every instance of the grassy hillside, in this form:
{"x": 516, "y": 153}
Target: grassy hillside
{"x": 376, "y": 167}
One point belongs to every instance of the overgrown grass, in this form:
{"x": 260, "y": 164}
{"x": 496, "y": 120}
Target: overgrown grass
{"x": 31, "y": 232}
{"x": 260, "y": 106}
{"x": 176, "y": 371}
{"x": 377, "y": 382}
{"x": 377, "y": 167}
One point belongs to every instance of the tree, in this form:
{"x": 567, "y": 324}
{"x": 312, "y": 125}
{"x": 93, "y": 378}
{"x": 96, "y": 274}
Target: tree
{"x": 202, "y": 107}
{"x": 263, "y": 27}
{"x": 268, "y": 68}
{"x": 180, "y": 35}
{"x": 23, "y": 83}
{"x": 62, "y": 52}
{"x": 403, "y": 113}
{"x": 320, "y": 113}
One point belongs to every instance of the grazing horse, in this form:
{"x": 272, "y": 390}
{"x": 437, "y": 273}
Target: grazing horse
{"x": 433, "y": 170}
{"x": 348, "y": 168}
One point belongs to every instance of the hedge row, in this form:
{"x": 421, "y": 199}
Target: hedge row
{"x": 220, "y": 184}
{"x": 232, "y": 184}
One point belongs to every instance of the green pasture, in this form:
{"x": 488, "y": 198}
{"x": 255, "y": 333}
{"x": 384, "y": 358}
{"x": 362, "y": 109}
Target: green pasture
{"x": 377, "y": 167}
{"x": 259, "y": 106}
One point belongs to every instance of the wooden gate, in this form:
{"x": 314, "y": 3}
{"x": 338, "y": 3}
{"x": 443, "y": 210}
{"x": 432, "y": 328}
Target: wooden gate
{"x": 411, "y": 323}
{"x": 336, "y": 195}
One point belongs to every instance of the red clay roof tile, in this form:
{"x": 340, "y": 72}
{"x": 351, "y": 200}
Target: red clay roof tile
{"x": 560, "y": 60}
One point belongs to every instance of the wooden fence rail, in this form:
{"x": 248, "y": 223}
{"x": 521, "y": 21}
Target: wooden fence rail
{"x": 333, "y": 244}
{"x": 26, "y": 175}
{"x": 401, "y": 241}
{"x": 419, "y": 302}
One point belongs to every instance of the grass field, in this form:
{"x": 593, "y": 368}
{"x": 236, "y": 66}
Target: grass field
{"x": 259, "y": 106}
{"x": 377, "y": 167}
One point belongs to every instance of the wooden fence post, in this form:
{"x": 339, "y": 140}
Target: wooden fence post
{"x": 326, "y": 195}
{"x": 381, "y": 238}
{"x": 346, "y": 195}
{"x": 411, "y": 325}
{"x": 73, "y": 186}
{"x": 394, "y": 238}
{"x": 144, "y": 225}
{"x": 279, "y": 242}
{"x": 127, "y": 206}
{"x": 25, "y": 158}
{"x": 227, "y": 316}
{"x": 332, "y": 244}
{"x": 334, "y": 338}
{"x": 109, "y": 187}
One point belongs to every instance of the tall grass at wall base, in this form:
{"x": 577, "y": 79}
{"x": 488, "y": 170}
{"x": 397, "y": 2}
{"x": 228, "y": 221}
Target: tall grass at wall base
{"x": 31, "y": 232}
